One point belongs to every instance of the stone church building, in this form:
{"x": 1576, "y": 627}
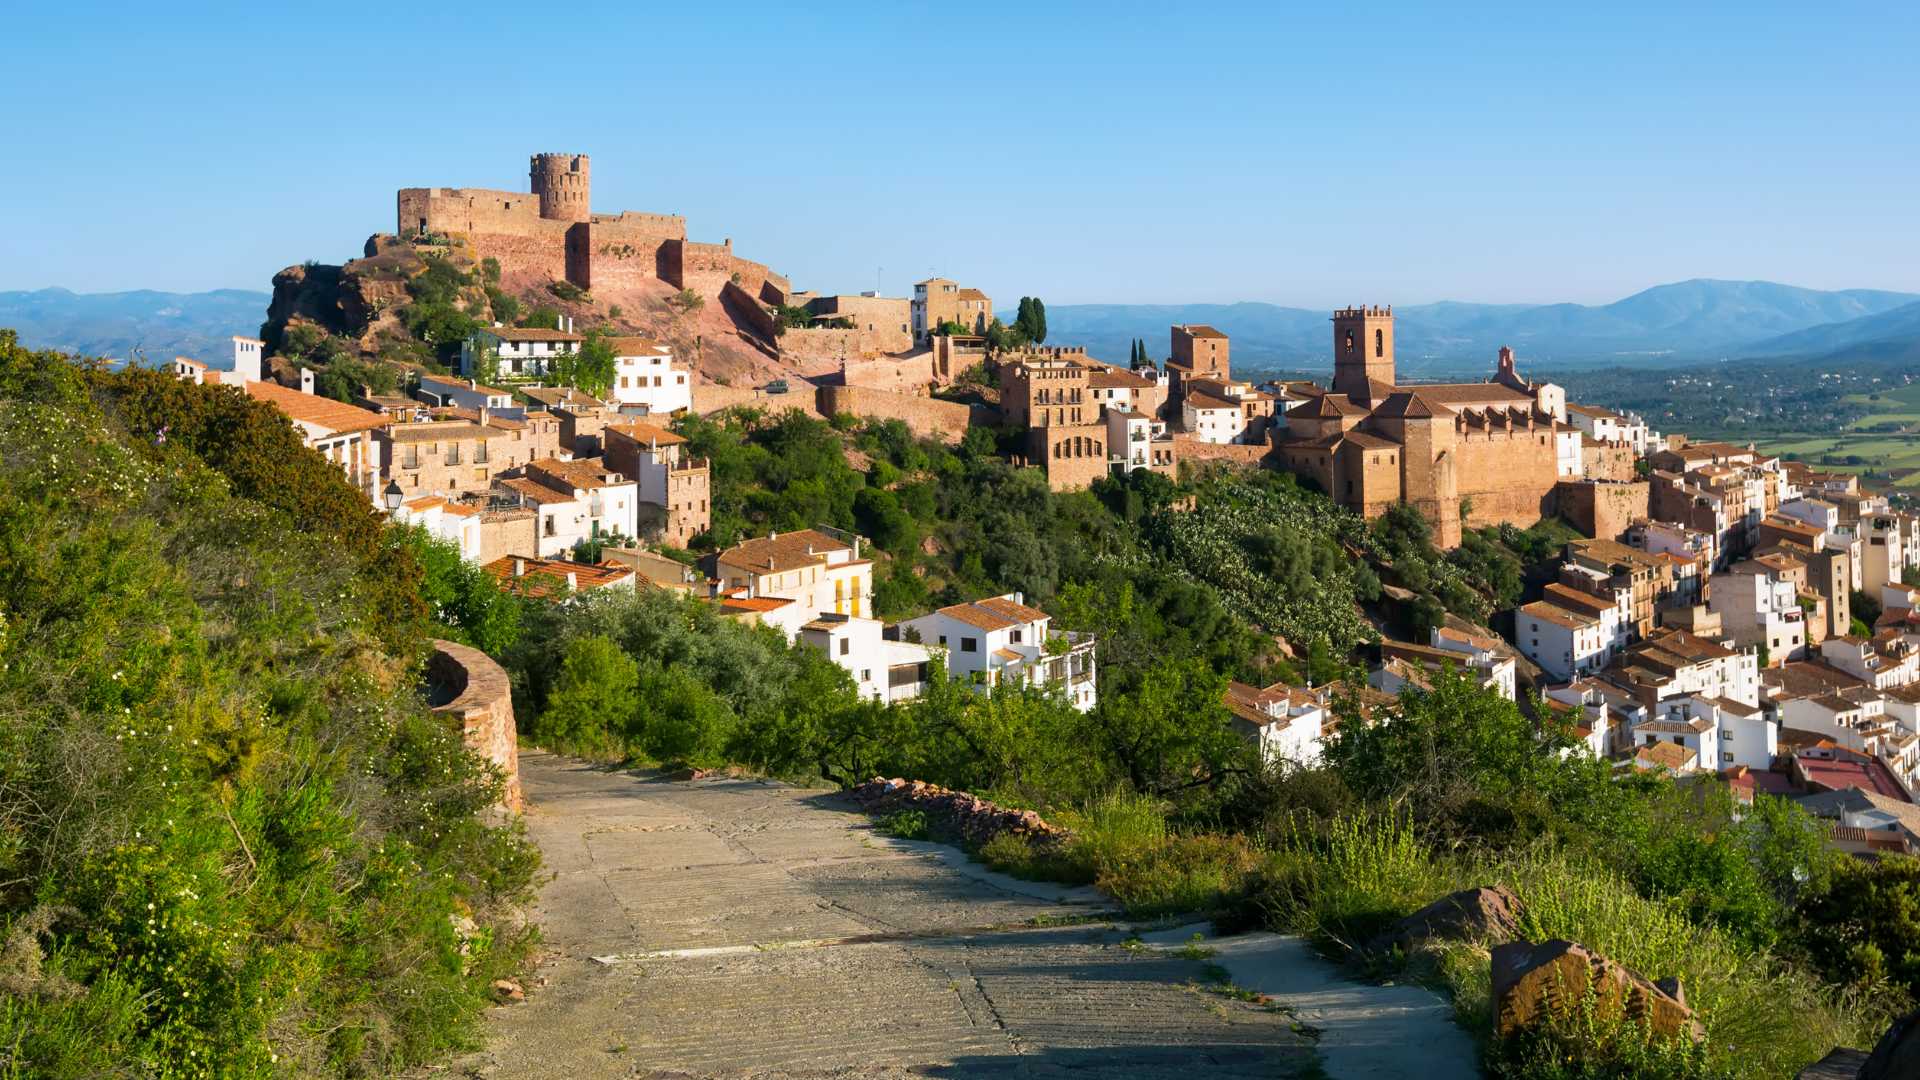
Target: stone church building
{"x": 1465, "y": 454}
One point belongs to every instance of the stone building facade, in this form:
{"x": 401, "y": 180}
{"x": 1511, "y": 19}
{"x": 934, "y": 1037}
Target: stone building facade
{"x": 551, "y": 229}
{"x": 1465, "y": 454}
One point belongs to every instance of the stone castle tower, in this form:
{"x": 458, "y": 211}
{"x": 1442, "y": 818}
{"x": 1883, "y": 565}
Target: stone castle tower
{"x": 1362, "y": 350}
{"x": 561, "y": 182}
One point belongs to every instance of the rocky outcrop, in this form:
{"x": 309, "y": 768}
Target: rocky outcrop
{"x": 1489, "y": 914}
{"x": 954, "y": 814}
{"x": 1556, "y": 978}
{"x": 465, "y": 684}
{"x": 1895, "y": 1057}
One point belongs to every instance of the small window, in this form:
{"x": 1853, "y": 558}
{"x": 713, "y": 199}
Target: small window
{"x": 968, "y": 644}
{"x": 844, "y": 646}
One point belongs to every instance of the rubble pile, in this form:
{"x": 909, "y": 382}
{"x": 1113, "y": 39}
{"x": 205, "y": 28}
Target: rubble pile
{"x": 954, "y": 814}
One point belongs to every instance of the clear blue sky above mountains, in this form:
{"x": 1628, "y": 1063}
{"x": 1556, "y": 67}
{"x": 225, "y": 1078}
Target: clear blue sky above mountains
{"x": 1084, "y": 153}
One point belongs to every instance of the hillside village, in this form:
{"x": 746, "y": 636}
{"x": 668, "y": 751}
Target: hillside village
{"x": 1710, "y": 623}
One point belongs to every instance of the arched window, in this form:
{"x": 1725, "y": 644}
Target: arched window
{"x": 1349, "y": 343}
{"x": 1379, "y": 343}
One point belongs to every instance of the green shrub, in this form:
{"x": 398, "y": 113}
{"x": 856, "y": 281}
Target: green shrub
{"x": 907, "y": 825}
{"x": 236, "y": 843}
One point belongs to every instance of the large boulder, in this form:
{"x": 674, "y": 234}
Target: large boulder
{"x": 1897, "y": 1055}
{"x": 1532, "y": 982}
{"x": 1489, "y": 913}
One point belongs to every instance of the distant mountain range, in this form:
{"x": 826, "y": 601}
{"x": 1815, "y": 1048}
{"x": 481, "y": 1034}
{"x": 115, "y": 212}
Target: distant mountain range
{"x": 1687, "y": 322}
{"x": 1690, "y": 321}
{"x": 160, "y": 325}
{"x": 1886, "y": 335}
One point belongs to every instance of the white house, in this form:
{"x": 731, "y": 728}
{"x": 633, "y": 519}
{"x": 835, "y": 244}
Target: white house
{"x": 815, "y": 571}
{"x": 1288, "y": 723}
{"x": 883, "y": 670}
{"x": 646, "y": 379}
{"x": 1676, "y": 663}
{"x": 1212, "y": 419}
{"x": 524, "y": 352}
{"x": 1117, "y": 389}
{"x": 1608, "y": 713}
{"x": 1720, "y": 733}
{"x": 444, "y": 519}
{"x": 576, "y": 500}
{"x": 1489, "y": 657}
{"x": 1000, "y": 640}
{"x": 1759, "y": 604}
{"x": 342, "y": 433}
{"x": 1566, "y": 644}
{"x": 1138, "y": 441}
{"x": 1886, "y": 660}
{"x": 446, "y": 391}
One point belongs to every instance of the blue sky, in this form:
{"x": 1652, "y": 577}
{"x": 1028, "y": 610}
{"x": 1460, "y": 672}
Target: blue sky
{"x": 1083, "y": 153}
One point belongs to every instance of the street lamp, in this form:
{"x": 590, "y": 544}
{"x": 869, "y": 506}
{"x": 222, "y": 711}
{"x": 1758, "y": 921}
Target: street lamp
{"x": 394, "y": 496}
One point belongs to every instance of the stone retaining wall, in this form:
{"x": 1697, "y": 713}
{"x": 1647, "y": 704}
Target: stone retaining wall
{"x": 476, "y": 692}
{"x": 954, "y": 814}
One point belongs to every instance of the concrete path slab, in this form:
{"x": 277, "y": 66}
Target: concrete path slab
{"x": 1366, "y": 1031}
{"x": 736, "y": 928}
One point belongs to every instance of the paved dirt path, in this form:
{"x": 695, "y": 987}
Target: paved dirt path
{"x": 741, "y": 928}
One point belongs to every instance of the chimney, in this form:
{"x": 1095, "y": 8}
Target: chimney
{"x": 471, "y": 385}
{"x": 519, "y": 568}
{"x": 483, "y": 416}
{"x": 573, "y": 584}
{"x": 306, "y": 380}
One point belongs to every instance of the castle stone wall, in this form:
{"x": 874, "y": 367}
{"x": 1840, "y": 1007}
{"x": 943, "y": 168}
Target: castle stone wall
{"x": 908, "y": 375}
{"x": 744, "y": 307}
{"x": 1509, "y": 477}
{"x": 478, "y": 696}
{"x": 1600, "y": 509}
{"x": 925, "y": 416}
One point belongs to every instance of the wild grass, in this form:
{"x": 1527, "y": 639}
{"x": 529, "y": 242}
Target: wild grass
{"x": 1123, "y": 844}
{"x": 1763, "y": 1016}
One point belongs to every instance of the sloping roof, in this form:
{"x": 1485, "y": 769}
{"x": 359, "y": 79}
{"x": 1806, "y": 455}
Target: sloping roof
{"x": 993, "y": 613}
{"x": 1208, "y": 401}
{"x": 972, "y": 294}
{"x": 1115, "y": 379}
{"x": 1366, "y": 440}
{"x": 440, "y": 431}
{"x": 333, "y": 417}
{"x": 552, "y": 396}
{"x": 1327, "y": 407}
{"x": 534, "y": 490}
{"x": 1594, "y": 411}
{"x": 583, "y": 473}
{"x": 1559, "y": 616}
{"x": 1201, "y": 330}
{"x": 1465, "y": 393}
{"x": 1411, "y": 405}
{"x": 642, "y": 432}
{"x": 782, "y": 551}
{"x": 528, "y": 333}
{"x": 1665, "y": 755}
{"x": 463, "y": 384}
{"x": 636, "y": 345}
{"x": 548, "y": 577}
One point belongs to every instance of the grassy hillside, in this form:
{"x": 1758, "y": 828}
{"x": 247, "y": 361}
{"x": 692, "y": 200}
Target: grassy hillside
{"x": 233, "y": 842}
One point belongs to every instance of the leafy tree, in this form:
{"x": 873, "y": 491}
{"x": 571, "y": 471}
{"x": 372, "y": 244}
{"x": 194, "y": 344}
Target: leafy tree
{"x": 468, "y": 603}
{"x": 1866, "y": 927}
{"x": 594, "y": 367}
{"x": 1172, "y": 731}
{"x": 592, "y": 704}
{"x": 1031, "y": 320}
{"x": 542, "y": 318}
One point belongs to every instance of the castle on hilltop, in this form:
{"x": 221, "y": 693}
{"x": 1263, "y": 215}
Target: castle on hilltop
{"x": 1465, "y": 454}
{"x": 552, "y": 230}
